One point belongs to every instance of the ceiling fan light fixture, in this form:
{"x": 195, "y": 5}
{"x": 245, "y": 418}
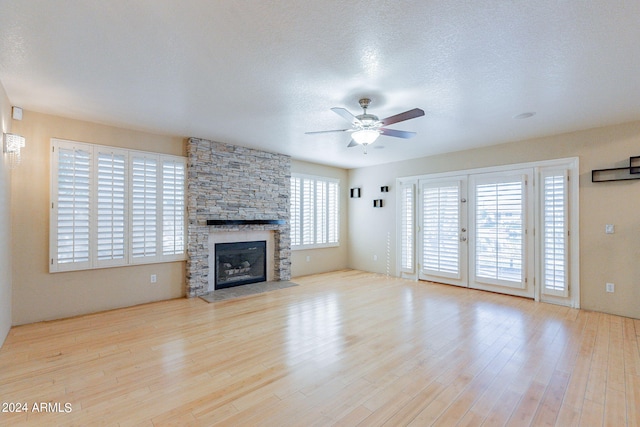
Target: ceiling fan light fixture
{"x": 365, "y": 136}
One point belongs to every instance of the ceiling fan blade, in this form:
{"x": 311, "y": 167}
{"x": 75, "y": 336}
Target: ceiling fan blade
{"x": 352, "y": 144}
{"x": 397, "y": 133}
{"x": 328, "y": 131}
{"x": 345, "y": 114}
{"x": 407, "y": 115}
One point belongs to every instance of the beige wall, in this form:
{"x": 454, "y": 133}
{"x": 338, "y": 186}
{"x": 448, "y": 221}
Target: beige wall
{"x": 603, "y": 258}
{"x": 39, "y": 295}
{"x": 311, "y": 261}
{"x": 365, "y": 232}
{"x": 5, "y": 224}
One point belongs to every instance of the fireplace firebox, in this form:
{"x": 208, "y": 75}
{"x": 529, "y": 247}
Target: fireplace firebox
{"x": 240, "y": 263}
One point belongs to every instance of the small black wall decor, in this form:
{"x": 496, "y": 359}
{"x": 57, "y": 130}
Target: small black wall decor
{"x": 377, "y": 203}
{"x": 355, "y": 193}
{"x": 384, "y": 189}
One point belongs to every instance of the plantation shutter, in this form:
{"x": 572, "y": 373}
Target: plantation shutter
{"x": 500, "y": 230}
{"x": 440, "y": 229}
{"x": 332, "y": 212}
{"x": 407, "y": 228}
{"x": 72, "y": 208}
{"x": 144, "y": 201}
{"x": 555, "y": 232}
{"x": 308, "y": 211}
{"x": 295, "y": 212}
{"x": 111, "y": 207}
{"x": 321, "y": 212}
{"x": 314, "y": 211}
{"x": 173, "y": 209}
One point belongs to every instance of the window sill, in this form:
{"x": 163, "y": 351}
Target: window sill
{"x": 316, "y": 246}
{"x": 68, "y": 267}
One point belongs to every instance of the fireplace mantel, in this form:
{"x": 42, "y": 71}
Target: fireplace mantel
{"x": 245, "y": 221}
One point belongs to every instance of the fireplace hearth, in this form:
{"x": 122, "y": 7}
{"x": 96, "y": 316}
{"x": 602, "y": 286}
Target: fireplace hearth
{"x": 240, "y": 263}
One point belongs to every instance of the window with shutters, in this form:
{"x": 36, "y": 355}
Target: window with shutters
{"x": 554, "y": 232}
{"x": 407, "y": 227}
{"x": 314, "y": 212}
{"x": 173, "y": 207}
{"x": 72, "y": 180}
{"x": 295, "y": 212}
{"x": 144, "y": 206}
{"x": 333, "y": 195}
{"x": 113, "y": 207}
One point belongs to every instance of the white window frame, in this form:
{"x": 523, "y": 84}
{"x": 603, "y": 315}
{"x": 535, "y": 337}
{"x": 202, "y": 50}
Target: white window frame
{"x": 315, "y": 216}
{"x": 93, "y": 262}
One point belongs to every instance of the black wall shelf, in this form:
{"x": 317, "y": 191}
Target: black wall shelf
{"x": 618, "y": 174}
{"x": 634, "y": 164}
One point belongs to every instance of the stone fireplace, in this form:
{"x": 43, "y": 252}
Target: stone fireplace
{"x": 235, "y": 194}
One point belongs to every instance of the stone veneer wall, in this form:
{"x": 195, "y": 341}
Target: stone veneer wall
{"x": 230, "y": 182}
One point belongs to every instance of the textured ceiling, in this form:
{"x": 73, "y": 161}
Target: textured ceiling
{"x": 260, "y": 74}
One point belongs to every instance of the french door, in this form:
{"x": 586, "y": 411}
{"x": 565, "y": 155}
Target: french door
{"x": 473, "y": 231}
{"x": 501, "y": 250}
{"x": 442, "y": 231}
{"x": 478, "y": 230}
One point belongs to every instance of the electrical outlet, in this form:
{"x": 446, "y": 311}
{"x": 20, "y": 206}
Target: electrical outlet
{"x": 609, "y": 229}
{"x": 375, "y": 257}
{"x": 610, "y": 287}
{"x": 308, "y": 258}
{"x": 154, "y": 278}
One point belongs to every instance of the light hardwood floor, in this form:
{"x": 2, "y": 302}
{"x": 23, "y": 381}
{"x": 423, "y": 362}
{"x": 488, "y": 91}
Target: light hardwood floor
{"x": 345, "y": 348}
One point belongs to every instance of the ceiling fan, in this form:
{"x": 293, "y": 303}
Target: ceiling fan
{"x": 366, "y": 128}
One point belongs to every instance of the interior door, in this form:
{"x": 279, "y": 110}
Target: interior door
{"x": 500, "y": 245}
{"x": 442, "y": 246}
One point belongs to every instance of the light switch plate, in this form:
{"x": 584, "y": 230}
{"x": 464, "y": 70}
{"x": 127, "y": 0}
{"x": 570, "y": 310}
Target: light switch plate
{"x": 609, "y": 229}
